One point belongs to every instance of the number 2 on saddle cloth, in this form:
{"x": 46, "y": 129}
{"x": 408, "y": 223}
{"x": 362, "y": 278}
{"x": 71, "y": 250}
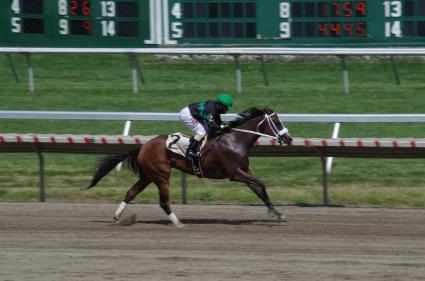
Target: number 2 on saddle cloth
{"x": 178, "y": 143}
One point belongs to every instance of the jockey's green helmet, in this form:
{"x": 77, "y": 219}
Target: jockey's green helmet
{"x": 225, "y": 99}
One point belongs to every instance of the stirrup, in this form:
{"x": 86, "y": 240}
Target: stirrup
{"x": 194, "y": 154}
{"x": 191, "y": 155}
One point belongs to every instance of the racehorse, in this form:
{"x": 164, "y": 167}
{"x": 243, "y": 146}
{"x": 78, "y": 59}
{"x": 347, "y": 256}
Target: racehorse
{"x": 224, "y": 156}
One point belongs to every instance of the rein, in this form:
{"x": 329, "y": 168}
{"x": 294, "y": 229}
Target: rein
{"x": 253, "y": 133}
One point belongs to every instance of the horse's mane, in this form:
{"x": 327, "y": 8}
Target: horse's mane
{"x": 245, "y": 116}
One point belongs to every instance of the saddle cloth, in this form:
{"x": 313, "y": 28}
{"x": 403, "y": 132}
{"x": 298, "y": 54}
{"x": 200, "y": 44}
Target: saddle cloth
{"x": 178, "y": 143}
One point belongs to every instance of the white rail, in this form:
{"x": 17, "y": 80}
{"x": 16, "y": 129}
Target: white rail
{"x": 168, "y": 116}
{"x": 224, "y": 51}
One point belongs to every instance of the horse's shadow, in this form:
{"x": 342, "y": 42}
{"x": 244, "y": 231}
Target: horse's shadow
{"x": 194, "y": 222}
{"x": 214, "y": 222}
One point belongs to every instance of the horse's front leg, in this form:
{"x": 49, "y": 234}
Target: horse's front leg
{"x": 259, "y": 188}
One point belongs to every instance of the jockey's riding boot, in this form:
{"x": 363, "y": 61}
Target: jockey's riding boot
{"x": 192, "y": 149}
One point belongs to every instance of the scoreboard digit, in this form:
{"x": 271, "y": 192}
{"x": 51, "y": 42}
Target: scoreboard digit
{"x": 297, "y": 23}
{"x": 74, "y": 23}
{"x": 209, "y": 23}
{"x": 32, "y": 23}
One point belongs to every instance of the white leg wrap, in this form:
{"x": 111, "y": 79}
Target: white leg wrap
{"x": 173, "y": 218}
{"x": 120, "y": 209}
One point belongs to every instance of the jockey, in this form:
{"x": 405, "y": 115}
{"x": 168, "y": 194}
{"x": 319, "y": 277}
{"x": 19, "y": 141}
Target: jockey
{"x": 204, "y": 117}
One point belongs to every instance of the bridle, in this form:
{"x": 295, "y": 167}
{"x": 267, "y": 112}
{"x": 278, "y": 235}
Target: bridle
{"x": 278, "y": 134}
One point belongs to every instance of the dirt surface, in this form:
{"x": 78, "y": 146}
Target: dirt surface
{"x": 73, "y": 241}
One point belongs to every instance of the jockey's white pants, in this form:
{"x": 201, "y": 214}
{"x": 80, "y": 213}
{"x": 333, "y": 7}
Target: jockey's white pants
{"x": 193, "y": 124}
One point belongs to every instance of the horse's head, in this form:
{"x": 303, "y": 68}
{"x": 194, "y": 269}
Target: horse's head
{"x": 271, "y": 125}
{"x": 263, "y": 122}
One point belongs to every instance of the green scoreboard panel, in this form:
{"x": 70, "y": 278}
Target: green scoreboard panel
{"x": 212, "y": 23}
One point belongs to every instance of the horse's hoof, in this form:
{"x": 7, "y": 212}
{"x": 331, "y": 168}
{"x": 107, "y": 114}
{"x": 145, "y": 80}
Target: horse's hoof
{"x": 282, "y": 218}
{"x": 180, "y": 225}
{"x": 277, "y": 215}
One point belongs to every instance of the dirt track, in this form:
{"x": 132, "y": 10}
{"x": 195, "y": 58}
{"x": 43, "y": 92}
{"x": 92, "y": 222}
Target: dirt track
{"x": 67, "y": 241}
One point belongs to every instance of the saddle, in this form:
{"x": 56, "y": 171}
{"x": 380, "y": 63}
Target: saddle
{"x": 178, "y": 144}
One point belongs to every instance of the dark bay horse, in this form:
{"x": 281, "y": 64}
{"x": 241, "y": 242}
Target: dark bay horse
{"x": 224, "y": 156}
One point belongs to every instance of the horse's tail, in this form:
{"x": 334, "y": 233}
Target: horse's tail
{"x": 110, "y": 162}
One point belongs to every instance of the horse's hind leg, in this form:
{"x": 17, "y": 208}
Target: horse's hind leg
{"x": 164, "y": 202}
{"x": 138, "y": 187}
{"x": 259, "y": 188}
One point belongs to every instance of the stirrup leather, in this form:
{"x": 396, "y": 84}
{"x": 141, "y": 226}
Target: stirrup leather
{"x": 196, "y": 165}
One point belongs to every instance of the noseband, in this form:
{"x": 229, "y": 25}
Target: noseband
{"x": 277, "y": 134}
